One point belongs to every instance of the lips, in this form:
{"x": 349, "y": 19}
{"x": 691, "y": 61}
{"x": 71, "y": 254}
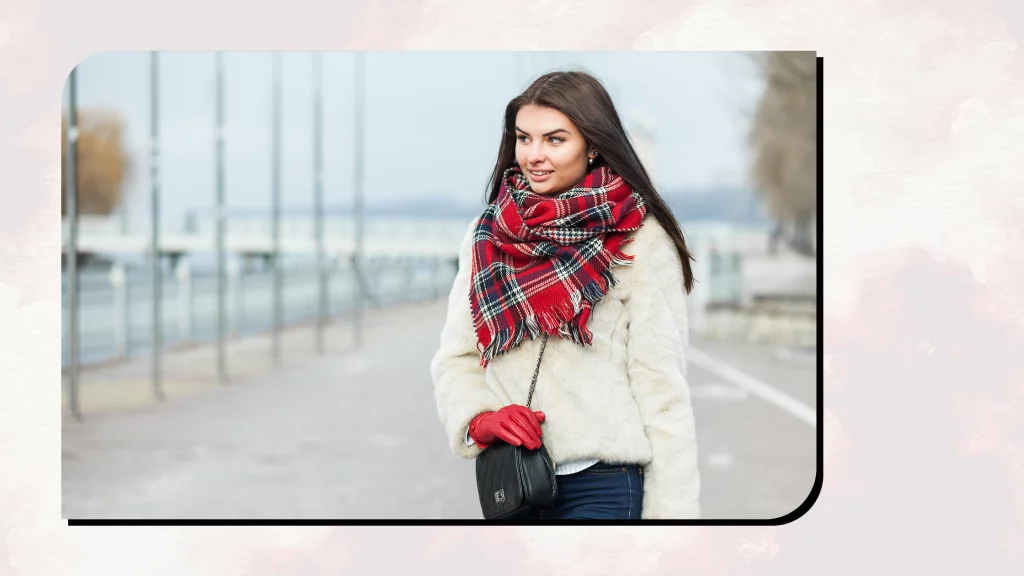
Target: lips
{"x": 541, "y": 176}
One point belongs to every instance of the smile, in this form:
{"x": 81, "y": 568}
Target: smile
{"x": 541, "y": 173}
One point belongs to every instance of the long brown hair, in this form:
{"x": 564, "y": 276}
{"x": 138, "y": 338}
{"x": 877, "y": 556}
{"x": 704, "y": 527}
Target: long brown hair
{"x": 584, "y": 100}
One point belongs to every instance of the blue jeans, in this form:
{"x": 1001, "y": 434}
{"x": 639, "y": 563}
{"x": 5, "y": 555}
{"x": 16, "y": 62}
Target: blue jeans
{"x": 603, "y": 492}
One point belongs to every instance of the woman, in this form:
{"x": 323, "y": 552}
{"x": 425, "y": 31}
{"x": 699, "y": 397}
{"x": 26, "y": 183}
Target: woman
{"x": 575, "y": 243}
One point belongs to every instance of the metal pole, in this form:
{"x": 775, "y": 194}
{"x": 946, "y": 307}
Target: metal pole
{"x": 71, "y": 207}
{"x": 276, "y": 209}
{"x": 222, "y": 371}
{"x": 357, "y": 257}
{"x": 318, "y": 203}
{"x": 154, "y": 181}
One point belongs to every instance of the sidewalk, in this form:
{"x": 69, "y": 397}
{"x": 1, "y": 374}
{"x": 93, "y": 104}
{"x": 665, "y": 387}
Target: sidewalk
{"x": 295, "y": 443}
{"x": 355, "y": 434}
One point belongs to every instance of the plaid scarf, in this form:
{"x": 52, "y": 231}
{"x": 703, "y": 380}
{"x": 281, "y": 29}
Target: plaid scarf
{"x": 541, "y": 263}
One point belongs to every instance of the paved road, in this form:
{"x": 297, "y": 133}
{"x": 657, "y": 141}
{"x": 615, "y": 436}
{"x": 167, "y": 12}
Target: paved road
{"x": 355, "y": 435}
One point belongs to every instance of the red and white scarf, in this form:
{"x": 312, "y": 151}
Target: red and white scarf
{"x": 542, "y": 262}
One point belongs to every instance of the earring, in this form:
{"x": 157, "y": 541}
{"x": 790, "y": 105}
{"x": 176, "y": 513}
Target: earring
{"x": 591, "y": 161}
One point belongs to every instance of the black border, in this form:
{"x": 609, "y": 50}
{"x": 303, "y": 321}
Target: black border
{"x": 797, "y": 513}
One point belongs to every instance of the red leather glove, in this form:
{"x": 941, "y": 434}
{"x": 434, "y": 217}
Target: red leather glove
{"x": 515, "y": 424}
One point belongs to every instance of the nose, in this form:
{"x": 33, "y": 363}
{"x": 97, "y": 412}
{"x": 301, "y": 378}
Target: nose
{"x": 535, "y": 154}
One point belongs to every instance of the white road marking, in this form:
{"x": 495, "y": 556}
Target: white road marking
{"x": 765, "y": 391}
{"x": 718, "y": 391}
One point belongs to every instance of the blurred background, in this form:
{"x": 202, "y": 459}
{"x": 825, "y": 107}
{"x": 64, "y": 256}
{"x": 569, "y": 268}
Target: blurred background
{"x": 264, "y": 243}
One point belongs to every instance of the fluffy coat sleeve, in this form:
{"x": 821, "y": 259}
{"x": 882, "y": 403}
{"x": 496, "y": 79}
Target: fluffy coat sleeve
{"x": 658, "y": 337}
{"x": 459, "y": 386}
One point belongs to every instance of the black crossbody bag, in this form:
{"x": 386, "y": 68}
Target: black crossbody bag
{"x": 512, "y": 480}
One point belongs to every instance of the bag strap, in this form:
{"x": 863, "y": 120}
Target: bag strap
{"x": 543, "y": 343}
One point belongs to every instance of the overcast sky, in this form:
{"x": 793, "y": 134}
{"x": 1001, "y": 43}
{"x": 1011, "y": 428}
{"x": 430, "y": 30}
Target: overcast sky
{"x": 432, "y": 120}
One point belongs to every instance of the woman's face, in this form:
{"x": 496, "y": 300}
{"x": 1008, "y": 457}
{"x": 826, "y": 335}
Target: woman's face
{"x": 550, "y": 149}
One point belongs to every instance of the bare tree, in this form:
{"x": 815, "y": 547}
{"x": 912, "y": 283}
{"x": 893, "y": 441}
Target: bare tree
{"x": 102, "y": 162}
{"x": 784, "y": 137}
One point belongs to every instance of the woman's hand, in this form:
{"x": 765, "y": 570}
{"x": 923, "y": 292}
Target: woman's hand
{"x": 515, "y": 424}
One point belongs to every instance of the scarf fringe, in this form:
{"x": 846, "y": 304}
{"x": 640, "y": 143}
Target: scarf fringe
{"x": 595, "y": 291}
{"x": 560, "y": 317}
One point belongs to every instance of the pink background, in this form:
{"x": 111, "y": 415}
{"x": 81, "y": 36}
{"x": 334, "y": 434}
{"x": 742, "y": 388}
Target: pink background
{"x": 924, "y": 385}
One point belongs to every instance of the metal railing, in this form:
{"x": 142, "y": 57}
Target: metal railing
{"x": 114, "y": 304}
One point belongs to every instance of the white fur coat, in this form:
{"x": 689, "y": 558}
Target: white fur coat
{"x": 625, "y": 399}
